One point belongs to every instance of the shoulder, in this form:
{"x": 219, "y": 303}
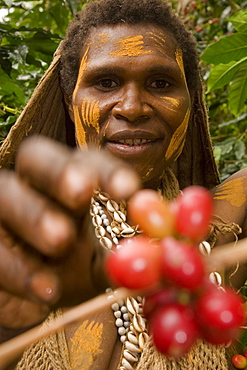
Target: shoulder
{"x": 230, "y": 199}
{"x": 233, "y": 190}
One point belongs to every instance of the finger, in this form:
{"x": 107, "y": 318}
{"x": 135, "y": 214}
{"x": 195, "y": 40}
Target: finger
{"x": 33, "y": 218}
{"x": 17, "y": 313}
{"x": 22, "y": 274}
{"x": 70, "y": 176}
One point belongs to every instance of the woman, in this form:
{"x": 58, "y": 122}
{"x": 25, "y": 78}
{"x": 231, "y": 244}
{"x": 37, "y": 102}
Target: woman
{"x": 131, "y": 98}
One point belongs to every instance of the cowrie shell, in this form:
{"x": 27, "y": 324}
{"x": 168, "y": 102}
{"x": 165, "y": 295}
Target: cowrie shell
{"x": 132, "y": 347}
{"x": 99, "y": 231}
{"x": 130, "y": 356}
{"x": 132, "y": 306}
{"x": 116, "y": 230}
{"x": 215, "y": 278}
{"x": 139, "y": 323}
{"x": 119, "y": 217}
{"x": 143, "y": 338}
{"x": 97, "y": 220}
{"x": 105, "y": 242}
{"x": 205, "y": 248}
{"x": 112, "y": 206}
{"x": 132, "y": 337}
{"x": 102, "y": 196}
{"x": 126, "y": 364}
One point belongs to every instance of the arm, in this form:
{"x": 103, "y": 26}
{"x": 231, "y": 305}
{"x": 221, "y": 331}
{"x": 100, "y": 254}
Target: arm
{"x": 231, "y": 206}
{"x": 49, "y": 255}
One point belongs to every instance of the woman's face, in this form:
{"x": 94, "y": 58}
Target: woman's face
{"x": 131, "y": 98}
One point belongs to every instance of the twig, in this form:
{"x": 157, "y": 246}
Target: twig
{"x": 14, "y": 347}
{"x": 228, "y": 255}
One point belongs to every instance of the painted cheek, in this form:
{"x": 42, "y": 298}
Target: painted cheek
{"x": 178, "y": 138}
{"x": 180, "y": 62}
{"x": 179, "y": 59}
{"x": 87, "y": 122}
{"x": 90, "y": 114}
{"x": 80, "y": 133}
{"x": 87, "y": 113}
{"x": 171, "y": 104}
{"x": 177, "y": 141}
{"x": 79, "y": 129}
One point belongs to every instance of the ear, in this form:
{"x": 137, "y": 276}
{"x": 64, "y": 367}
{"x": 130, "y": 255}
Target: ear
{"x": 69, "y": 107}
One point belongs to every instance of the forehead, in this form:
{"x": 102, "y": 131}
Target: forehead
{"x": 130, "y": 41}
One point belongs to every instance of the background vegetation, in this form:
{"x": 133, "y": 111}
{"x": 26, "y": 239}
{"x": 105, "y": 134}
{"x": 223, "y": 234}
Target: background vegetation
{"x": 30, "y": 32}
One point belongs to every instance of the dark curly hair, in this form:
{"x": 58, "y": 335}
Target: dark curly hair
{"x": 111, "y": 12}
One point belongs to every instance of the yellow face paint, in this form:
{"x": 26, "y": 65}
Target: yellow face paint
{"x": 79, "y": 130}
{"x": 176, "y": 143}
{"x": 177, "y": 140}
{"x": 159, "y": 41}
{"x": 148, "y": 172}
{"x": 100, "y": 40}
{"x": 179, "y": 59}
{"x": 80, "y": 133}
{"x": 85, "y": 345}
{"x": 130, "y": 46}
{"x": 91, "y": 113}
{"x": 82, "y": 68}
{"x": 173, "y": 103}
{"x": 233, "y": 192}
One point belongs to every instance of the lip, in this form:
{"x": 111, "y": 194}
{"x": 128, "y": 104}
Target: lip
{"x": 132, "y": 135}
{"x": 132, "y": 143}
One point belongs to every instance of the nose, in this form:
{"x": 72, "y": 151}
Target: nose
{"x": 132, "y": 106}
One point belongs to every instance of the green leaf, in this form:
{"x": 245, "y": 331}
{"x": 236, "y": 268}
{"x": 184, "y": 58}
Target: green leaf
{"x": 238, "y": 90}
{"x": 228, "y": 48}
{"x": 8, "y": 87}
{"x": 4, "y": 60}
{"x": 221, "y": 74}
{"x": 8, "y": 2}
{"x": 217, "y": 153}
{"x": 239, "y": 149}
{"x": 73, "y": 5}
{"x": 239, "y": 21}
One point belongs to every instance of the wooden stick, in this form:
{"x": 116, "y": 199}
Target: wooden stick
{"x": 228, "y": 255}
{"x": 14, "y": 347}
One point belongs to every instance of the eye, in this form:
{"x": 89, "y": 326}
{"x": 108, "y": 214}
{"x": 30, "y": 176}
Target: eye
{"x": 159, "y": 84}
{"x": 106, "y": 83}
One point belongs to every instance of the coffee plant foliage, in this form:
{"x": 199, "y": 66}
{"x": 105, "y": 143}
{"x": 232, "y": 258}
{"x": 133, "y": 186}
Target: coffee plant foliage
{"x": 30, "y": 32}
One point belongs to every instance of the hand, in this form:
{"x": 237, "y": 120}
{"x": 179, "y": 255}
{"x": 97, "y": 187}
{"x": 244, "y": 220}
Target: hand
{"x": 49, "y": 254}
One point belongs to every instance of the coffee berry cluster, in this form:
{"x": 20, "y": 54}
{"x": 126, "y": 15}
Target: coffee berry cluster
{"x": 165, "y": 260}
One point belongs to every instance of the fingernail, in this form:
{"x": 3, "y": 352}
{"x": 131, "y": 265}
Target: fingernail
{"x": 123, "y": 183}
{"x": 78, "y": 186}
{"x": 45, "y": 287}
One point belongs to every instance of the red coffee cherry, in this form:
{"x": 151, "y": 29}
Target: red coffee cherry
{"x": 194, "y": 210}
{"x": 174, "y": 329}
{"x": 136, "y": 264}
{"x": 220, "y": 313}
{"x": 239, "y": 361}
{"x": 151, "y": 213}
{"x": 182, "y": 263}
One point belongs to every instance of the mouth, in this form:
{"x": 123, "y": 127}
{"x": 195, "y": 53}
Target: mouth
{"x": 132, "y": 142}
